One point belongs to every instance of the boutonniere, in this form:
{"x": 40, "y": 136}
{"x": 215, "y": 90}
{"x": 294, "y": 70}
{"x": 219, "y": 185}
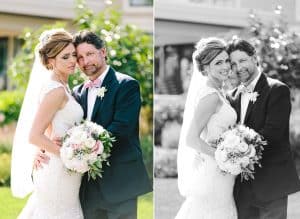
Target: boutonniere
{"x": 253, "y": 96}
{"x": 101, "y": 92}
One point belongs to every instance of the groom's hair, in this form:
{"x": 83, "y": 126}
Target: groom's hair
{"x": 89, "y": 37}
{"x": 241, "y": 45}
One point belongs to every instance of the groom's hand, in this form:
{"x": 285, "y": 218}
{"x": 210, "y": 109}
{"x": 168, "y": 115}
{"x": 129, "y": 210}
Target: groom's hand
{"x": 40, "y": 159}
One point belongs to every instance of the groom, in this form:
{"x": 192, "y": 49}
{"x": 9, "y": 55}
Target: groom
{"x": 114, "y": 196}
{"x": 263, "y": 104}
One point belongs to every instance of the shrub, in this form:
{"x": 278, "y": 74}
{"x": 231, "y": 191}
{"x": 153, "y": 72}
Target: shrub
{"x": 167, "y": 108}
{"x": 4, "y": 169}
{"x": 147, "y": 148}
{"x": 170, "y": 135}
{"x": 10, "y": 106}
{"x": 165, "y": 162}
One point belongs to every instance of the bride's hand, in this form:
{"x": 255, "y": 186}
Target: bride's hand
{"x": 57, "y": 141}
{"x": 213, "y": 144}
{"x": 40, "y": 159}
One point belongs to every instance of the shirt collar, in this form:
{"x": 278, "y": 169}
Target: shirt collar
{"x": 102, "y": 76}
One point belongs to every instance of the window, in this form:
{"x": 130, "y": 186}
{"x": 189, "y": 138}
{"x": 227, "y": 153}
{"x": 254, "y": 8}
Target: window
{"x": 134, "y": 3}
{"x": 217, "y": 3}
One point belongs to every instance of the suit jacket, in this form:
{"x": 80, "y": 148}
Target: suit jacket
{"x": 268, "y": 115}
{"x": 118, "y": 112}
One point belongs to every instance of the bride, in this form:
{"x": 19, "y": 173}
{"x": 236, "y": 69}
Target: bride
{"x": 208, "y": 192}
{"x": 48, "y": 110}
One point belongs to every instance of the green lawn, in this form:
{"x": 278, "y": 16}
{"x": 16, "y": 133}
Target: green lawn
{"x": 10, "y": 207}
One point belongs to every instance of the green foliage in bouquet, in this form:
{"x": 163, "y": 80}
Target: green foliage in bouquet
{"x": 10, "y": 106}
{"x": 96, "y": 168}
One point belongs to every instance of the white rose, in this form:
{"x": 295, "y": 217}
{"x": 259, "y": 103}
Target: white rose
{"x": 90, "y": 143}
{"x": 244, "y": 161}
{"x": 243, "y": 147}
{"x": 92, "y": 157}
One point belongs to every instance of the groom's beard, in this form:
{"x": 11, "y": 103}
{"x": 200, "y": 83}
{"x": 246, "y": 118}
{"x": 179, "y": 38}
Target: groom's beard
{"x": 91, "y": 70}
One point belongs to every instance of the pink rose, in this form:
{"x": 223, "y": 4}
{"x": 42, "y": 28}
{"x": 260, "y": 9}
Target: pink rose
{"x": 98, "y": 147}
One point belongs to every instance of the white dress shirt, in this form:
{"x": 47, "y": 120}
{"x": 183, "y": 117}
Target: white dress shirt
{"x": 245, "y": 98}
{"x": 92, "y": 95}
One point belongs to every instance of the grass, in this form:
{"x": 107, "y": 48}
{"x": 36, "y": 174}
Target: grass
{"x": 10, "y": 207}
{"x": 168, "y": 201}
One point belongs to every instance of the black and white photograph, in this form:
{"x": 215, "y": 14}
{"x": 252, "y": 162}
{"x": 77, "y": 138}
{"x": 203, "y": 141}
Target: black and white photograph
{"x": 76, "y": 100}
{"x": 227, "y": 109}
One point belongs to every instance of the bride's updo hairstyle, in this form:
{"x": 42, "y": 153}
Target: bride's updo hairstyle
{"x": 206, "y": 50}
{"x": 52, "y": 42}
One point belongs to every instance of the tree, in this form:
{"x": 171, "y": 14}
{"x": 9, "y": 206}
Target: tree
{"x": 277, "y": 47}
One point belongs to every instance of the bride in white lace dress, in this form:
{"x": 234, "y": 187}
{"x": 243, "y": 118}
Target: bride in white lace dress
{"x": 208, "y": 192}
{"x": 48, "y": 111}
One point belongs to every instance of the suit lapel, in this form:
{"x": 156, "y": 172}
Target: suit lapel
{"x": 84, "y": 101}
{"x": 99, "y": 100}
{"x": 258, "y": 88}
{"x": 236, "y": 103}
{"x": 238, "y": 107}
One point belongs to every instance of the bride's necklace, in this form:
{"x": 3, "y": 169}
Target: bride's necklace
{"x": 219, "y": 89}
{"x": 65, "y": 84}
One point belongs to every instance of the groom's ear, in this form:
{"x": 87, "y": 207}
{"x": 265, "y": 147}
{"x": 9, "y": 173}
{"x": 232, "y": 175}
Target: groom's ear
{"x": 103, "y": 52}
{"x": 255, "y": 59}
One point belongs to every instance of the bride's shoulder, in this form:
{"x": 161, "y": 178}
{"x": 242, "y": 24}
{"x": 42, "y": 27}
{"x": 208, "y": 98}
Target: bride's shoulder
{"x": 209, "y": 92}
{"x": 49, "y": 86}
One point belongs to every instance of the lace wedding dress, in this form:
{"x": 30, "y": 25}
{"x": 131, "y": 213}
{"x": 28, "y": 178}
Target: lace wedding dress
{"x": 56, "y": 192}
{"x": 208, "y": 192}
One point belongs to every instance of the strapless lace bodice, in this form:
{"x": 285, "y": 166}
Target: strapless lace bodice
{"x": 56, "y": 191}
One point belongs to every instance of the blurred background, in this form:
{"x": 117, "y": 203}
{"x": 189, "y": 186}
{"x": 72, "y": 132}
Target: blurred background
{"x": 127, "y": 28}
{"x": 272, "y": 26}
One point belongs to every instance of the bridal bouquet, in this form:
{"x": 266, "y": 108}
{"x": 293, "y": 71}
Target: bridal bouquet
{"x": 85, "y": 148}
{"x": 238, "y": 150}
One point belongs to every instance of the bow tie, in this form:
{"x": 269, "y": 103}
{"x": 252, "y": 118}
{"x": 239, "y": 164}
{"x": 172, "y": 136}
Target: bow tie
{"x": 91, "y": 84}
{"x": 243, "y": 89}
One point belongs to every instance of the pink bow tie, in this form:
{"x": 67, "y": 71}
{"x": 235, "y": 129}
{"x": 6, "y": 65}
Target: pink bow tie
{"x": 243, "y": 89}
{"x": 91, "y": 84}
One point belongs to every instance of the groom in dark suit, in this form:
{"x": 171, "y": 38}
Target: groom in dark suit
{"x": 116, "y": 107}
{"x": 263, "y": 104}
